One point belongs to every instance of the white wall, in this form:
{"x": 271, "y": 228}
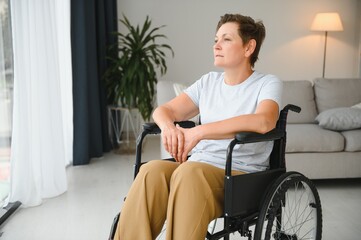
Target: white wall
{"x": 359, "y": 50}
{"x": 290, "y": 51}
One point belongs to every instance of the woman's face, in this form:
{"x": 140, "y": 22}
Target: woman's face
{"x": 228, "y": 48}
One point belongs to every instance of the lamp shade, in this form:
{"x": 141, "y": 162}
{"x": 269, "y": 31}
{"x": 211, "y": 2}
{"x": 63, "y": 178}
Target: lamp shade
{"x": 327, "y": 22}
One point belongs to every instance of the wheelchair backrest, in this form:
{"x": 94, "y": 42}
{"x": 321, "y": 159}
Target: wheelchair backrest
{"x": 277, "y": 157}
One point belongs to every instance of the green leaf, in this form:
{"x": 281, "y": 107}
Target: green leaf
{"x": 131, "y": 77}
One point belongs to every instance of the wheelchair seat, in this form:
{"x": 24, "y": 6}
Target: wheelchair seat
{"x": 276, "y": 203}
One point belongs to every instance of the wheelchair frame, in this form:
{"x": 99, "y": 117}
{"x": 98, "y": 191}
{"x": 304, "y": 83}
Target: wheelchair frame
{"x": 260, "y": 199}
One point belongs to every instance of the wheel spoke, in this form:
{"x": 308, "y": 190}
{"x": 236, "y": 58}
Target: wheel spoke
{"x": 291, "y": 212}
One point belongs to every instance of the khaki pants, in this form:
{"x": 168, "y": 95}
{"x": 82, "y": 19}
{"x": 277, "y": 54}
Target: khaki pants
{"x": 188, "y": 195}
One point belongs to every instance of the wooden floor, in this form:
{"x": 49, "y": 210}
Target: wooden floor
{"x": 95, "y": 194}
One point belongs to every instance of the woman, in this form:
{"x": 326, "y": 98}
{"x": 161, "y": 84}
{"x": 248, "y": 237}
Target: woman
{"x": 189, "y": 193}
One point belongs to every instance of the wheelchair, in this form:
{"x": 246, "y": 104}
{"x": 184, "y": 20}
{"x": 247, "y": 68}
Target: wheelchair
{"x": 276, "y": 204}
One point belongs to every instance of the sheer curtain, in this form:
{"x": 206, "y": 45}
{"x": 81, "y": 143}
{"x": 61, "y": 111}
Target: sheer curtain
{"x": 42, "y": 117}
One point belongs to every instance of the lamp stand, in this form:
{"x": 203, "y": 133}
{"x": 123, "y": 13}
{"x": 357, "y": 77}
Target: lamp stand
{"x": 324, "y": 55}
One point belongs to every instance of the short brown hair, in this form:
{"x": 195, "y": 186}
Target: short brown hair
{"x": 248, "y": 29}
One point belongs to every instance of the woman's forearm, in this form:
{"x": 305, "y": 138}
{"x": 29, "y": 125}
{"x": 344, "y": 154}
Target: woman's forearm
{"x": 230, "y": 127}
{"x": 262, "y": 121}
{"x": 178, "y": 109}
{"x": 163, "y": 116}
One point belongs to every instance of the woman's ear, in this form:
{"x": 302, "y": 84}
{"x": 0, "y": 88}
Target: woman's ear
{"x": 250, "y": 47}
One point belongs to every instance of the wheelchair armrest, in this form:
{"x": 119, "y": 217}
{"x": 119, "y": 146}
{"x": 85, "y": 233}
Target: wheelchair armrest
{"x": 152, "y": 128}
{"x": 186, "y": 124}
{"x": 252, "y": 137}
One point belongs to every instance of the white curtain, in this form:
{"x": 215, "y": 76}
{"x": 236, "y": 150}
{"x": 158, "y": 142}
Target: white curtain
{"x": 42, "y": 117}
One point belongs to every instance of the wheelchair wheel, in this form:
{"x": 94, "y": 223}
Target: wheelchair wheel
{"x": 291, "y": 210}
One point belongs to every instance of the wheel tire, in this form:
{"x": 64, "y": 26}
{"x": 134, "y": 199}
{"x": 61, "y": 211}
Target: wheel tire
{"x": 290, "y": 210}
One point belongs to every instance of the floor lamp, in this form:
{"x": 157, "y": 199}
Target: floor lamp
{"x": 326, "y": 22}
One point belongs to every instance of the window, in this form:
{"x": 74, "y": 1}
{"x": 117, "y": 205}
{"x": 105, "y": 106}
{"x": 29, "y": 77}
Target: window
{"x": 6, "y": 96}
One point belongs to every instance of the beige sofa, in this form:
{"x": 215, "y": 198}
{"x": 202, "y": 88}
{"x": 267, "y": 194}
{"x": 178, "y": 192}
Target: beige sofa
{"x": 324, "y": 140}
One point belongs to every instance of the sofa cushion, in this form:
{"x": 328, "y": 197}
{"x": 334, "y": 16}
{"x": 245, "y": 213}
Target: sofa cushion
{"x": 340, "y": 119}
{"x": 352, "y": 140}
{"x": 335, "y": 93}
{"x": 300, "y": 93}
{"x": 313, "y": 138}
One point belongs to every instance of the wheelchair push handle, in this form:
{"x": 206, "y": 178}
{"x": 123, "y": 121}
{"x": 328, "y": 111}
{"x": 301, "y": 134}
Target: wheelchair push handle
{"x": 282, "y": 121}
{"x": 292, "y": 107}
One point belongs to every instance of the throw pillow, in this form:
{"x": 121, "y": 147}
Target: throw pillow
{"x": 357, "y": 106}
{"x": 340, "y": 119}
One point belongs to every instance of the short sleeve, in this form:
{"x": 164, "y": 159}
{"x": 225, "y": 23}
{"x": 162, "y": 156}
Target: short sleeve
{"x": 194, "y": 91}
{"x": 272, "y": 89}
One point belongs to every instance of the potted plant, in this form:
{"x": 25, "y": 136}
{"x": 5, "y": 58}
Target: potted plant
{"x": 138, "y": 59}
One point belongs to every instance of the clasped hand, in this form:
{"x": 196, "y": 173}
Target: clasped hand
{"x": 179, "y": 141}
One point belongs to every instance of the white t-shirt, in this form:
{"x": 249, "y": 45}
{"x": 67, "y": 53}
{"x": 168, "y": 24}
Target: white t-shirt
{"x": 218, "y": 101}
